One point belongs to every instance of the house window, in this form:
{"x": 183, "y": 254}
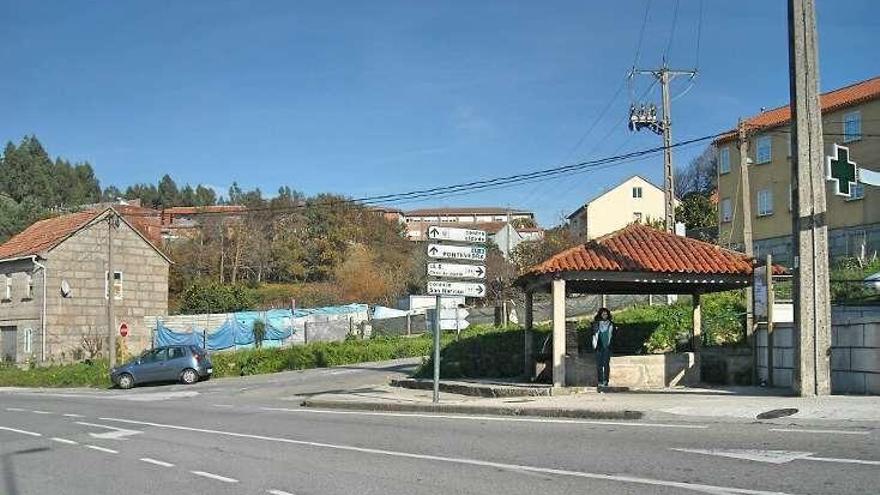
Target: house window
{"x": 117, "y": 285}
{"x": 726, "y": 210}
{"x": 8, "y": 285}
{"x": 852, "y": 127}
{"x": 28, "y": 340}
{"x": 765, "y": 202}
{"x": 764, "y": 152}
{"x": 30, "y": 287}
{"x": 637, "y": 192}
{"x": 724, "y": 160}
{"x": 856, "y": 191}
{"x": 637, "y": 217}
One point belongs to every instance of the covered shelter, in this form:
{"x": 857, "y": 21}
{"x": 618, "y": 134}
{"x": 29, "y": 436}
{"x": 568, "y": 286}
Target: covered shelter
{"x": 637, "y": 259}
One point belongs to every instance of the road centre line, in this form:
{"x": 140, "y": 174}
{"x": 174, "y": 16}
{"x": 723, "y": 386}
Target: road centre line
{"x": 485, "y": 418}
{"x": 41, "y": 412}
{"x": 15, "y": 409}
{"x": 843, "y": 461}
{"x": 214, "y": 476}
{"x": 698, "y": 487}
{"x": 278, "y": 492}
{"x": 64, "y": 441}
{"x": 23, "y": 432}
{"x": 156, "y": 462}
{"x": 102, "y": 449}
{"x": 71, "y": 415}
{"x": 829, "y": 432}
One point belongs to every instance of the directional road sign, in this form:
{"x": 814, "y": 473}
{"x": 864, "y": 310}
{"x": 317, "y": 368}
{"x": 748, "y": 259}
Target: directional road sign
{"x": 466, "y": 253}
{"x": 456, "y": 234}
{"x": 455, "y": 270}
{"x": 467, "y": 289}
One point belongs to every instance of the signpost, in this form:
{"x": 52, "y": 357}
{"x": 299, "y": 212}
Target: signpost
{"x": 462, "y": 246}
{"x": 455, "y": 270}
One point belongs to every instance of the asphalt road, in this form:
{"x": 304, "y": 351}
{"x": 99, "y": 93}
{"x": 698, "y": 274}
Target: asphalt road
{"x": 250, "y": 436}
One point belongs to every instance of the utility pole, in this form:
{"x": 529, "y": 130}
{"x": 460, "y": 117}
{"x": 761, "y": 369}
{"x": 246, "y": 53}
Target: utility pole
{"x": 646, "y": 117}
{"x": 748, "y": 244}
{"x": 812, "y": 308}
{"x": 111, "y": 330}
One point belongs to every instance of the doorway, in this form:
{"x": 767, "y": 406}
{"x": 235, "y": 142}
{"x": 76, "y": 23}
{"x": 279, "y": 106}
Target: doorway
{"x": 8, "y": 344}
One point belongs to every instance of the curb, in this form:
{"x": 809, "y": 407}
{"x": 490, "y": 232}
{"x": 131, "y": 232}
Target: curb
{"x": 488, "y": 390}
{"x": 465, "y": 409}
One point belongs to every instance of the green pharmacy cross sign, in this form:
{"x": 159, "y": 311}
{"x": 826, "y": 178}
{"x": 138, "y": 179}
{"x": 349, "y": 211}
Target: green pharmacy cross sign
{"x": 840, "y": 170}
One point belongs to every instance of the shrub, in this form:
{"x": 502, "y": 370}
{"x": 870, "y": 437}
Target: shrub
{"x": 210, "y": 297}
{"x": 91, "y": 374}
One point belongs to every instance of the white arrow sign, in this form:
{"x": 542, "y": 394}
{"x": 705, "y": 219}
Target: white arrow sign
{"x": 456, "y": 234}
{"x": 472, "y": 253}
{"x": 452, "y": 314}
{"x": 455, "y": 270}
{"x": 450, "y": 325}
{"x": 440, "y": 288}
{"x": 116, "y": 434}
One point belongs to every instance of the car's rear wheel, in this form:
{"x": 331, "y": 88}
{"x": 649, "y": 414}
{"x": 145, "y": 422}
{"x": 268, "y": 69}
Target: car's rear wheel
{"x": 126, "y": 381}
{"x": 189, "y": 376}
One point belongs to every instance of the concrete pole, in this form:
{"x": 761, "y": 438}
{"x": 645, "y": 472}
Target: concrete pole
{"x": 111, "y": 326}
{"x": 528, "y": 363}
{"x": 558, "y": 332}
{"x": 668, "y": 172}
{"x": 812, "y": 308}
{"x": 748, "y": 243}
{"x": 697, "y": 329}
{"x": 438, "y": 307}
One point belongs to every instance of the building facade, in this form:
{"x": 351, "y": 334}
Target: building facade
{"x": 634, "y": 200}
{"x": 418, "y": 221}
{"x": 56, "y": 288}
{"x": 850, "y": 118}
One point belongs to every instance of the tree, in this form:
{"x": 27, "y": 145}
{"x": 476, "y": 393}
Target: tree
{"x": 168, "y": 193}
{"x": 697, "y": 184}
{"x": 698, "y": 176}
{"x": 204, "y": 196}
{"x": 528, "y": 254}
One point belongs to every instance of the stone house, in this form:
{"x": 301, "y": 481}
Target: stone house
{"x": 54, "y": 287}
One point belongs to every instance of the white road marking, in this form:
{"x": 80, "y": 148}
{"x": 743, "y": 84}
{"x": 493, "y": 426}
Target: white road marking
{"x": 64, "y": 441}
{"x": 830, "y": 432}
{"x": 102, "y": 449}
{"x": 698, "y": 487}
{"x": 41, "y": 412}
{"x": 223, "y": 405}
{"x": 15, "y": 409}
{"x": 278, "y": 492}
{"x": 23, "y": 432}
{"x": 214, "y": 476}
{"x": 775, "y": 456}
{"x": 156, "y": 462}
{"x": 117, "y": 434}
{"x": 486, "y": 418}
{"x": 71, "y": 415}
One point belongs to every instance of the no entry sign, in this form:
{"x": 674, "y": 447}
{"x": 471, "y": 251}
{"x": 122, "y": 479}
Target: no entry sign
{"x": 123, "y": 329}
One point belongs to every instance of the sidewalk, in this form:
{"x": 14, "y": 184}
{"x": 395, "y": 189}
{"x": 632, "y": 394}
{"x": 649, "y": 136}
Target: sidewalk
{"x": 731, "y": 403}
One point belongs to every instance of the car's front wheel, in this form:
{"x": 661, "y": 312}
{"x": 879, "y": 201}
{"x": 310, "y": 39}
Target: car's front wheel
{"x": 125, "y": 381}
{"x": 189, "y": 376}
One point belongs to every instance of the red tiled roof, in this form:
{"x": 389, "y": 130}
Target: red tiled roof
{"x": 45, "y": 234}
{"x": 833, "y": 100}
{"x": 190, "y": 210}
{"x": 639, "y": 248}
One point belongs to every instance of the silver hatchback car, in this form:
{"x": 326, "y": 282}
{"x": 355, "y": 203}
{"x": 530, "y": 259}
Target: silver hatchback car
{"x": 185, "y": 363}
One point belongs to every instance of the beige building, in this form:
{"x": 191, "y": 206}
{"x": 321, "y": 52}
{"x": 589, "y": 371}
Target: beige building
{"x": 634, "y": 200}
{"x": 851, "y": 118}
{"x": 54, "y": 290}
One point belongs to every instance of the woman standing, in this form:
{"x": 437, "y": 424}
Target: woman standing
{"x": 603, "y": 328}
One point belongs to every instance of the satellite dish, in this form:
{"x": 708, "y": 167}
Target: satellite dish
{"x": 65, "y": 288}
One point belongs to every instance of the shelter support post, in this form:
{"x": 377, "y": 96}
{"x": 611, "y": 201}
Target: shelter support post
{"x": 697, "y": 330}
{"x": 558, "y": 290}
{"x": 528, "y": 360}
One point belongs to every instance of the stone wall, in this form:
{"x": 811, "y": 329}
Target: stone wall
{"x": 645, "y": 371}
{"x": 81, "y": 261}
{"x": 855, "y": 355}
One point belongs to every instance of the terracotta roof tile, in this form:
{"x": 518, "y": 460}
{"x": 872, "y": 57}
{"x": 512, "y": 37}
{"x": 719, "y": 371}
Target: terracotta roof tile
{"x": 833, "y": 100}
{"x": 639, "y": 248}
{"x": 45, "y": 234}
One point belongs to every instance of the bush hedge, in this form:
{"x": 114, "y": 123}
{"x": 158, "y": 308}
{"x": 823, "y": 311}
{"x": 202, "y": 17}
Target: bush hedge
{"x": 94, "y": 374}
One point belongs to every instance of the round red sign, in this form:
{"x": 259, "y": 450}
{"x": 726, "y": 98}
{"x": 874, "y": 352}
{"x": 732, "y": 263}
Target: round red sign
{"x": 123, "y": 329}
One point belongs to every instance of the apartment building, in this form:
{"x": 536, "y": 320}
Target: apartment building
{"x": 851, "y": 118}
{"x": 635, "y": 200}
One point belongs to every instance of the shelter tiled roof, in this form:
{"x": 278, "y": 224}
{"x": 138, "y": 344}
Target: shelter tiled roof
{"x": 45, "y": 234}
{"x": 639, "y": 248}
{"x": 833, "y": 100}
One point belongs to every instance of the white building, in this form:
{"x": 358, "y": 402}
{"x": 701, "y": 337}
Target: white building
{"x": 633, "y": 200}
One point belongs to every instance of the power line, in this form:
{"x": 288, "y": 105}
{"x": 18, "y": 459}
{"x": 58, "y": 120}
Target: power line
{"x": 642, "y": 34}
{"x": 699, "y": 37}
{"x": 671, "y": 31}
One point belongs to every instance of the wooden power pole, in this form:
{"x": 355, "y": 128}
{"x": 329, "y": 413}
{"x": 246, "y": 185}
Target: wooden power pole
{"x": 812, "y": 309}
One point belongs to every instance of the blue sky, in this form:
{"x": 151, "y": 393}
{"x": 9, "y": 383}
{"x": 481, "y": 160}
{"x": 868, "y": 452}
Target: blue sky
{"x": 365, "y": 98}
